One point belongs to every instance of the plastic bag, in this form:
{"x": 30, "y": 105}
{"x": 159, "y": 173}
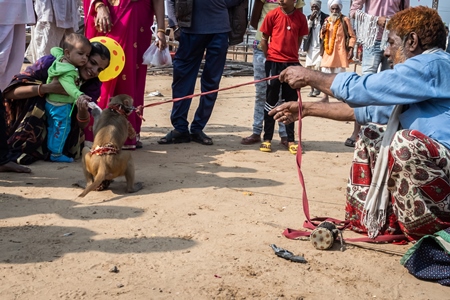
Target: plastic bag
{"x": 154, "y": 57}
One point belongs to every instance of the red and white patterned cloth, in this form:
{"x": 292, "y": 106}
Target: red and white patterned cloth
{"x": 419, "y": 185}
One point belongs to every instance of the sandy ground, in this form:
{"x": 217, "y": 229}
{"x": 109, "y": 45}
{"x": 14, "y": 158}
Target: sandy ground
{"x": 201, "y": 227}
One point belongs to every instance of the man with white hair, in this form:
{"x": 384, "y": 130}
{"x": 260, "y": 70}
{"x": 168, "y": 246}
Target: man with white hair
{"x": 338, "y": 41}
{"x": 311, "y": 44}
{"x": 399, "y": 180}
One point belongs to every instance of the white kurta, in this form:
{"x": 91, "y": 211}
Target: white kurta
{"x": 15, "y": 14}
{"x": 313, "y": 57}
{"x": 55, "y": 18}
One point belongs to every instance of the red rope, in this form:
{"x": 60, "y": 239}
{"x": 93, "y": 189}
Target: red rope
{"x": 206, "y": 93}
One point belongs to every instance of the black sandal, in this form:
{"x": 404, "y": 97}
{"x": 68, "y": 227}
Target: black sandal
{"x": 350, "y": 142}
{"x": 175, "y": 137}
{"x": 202, "y": 138}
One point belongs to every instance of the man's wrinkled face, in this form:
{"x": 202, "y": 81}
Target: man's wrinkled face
{"x": 335, "y": 9}
{"x": 314, "y": 7}
{"x": 395, "y": 52}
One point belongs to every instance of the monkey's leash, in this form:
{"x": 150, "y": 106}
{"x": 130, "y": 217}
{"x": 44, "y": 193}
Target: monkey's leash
{"x": 139, "y": 109}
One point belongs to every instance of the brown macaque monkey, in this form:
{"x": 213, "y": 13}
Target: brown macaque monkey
{"x": 107, "y": 160}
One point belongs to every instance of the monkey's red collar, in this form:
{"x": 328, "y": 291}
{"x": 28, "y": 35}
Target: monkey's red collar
{"x": 104, "y": 150}
{"x": 121, "y": 109}
{"x": 126, "y": 110}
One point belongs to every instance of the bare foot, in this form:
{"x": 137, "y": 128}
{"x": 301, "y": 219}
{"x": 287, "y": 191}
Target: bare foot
{"x": 13, "y": 167}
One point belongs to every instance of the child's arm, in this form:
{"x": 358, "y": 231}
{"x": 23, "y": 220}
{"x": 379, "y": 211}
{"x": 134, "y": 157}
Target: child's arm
{"x": 264, "y": 43}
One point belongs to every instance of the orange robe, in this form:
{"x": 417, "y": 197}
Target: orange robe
{"x": 338, "y": 58}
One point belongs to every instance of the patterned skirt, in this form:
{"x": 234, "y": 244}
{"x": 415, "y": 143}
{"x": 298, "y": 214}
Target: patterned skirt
{"x": 419, "y": 172}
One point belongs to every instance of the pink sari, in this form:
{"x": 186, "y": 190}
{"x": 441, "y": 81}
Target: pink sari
{"x": 131, "y": 21}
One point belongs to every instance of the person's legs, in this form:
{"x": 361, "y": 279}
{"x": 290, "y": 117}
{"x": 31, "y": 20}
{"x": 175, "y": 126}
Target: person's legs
{"x": 186, "y": 65}
{"x": 372, "y": 57}
{"x": 259, "y": 72}
{"x": 216, "y": 53}
{"x": 419, "y": 183}
{"x": 44, "y": 36}
{"x": 58, "y": 130}
{"x": 350, "y": 142}
{"x": 12, "y": 49}
{"x": 272, "y": 96}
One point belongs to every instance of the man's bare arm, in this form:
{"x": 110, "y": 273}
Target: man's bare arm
{"x": 288, "y": 112}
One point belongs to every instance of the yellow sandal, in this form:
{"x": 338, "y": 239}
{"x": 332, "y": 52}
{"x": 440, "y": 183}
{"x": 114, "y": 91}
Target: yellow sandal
{"x": 293, "y": 149}
{"x": 265, "y": 147}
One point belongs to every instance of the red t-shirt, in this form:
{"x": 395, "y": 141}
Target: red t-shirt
{"x": 284, "y": 31}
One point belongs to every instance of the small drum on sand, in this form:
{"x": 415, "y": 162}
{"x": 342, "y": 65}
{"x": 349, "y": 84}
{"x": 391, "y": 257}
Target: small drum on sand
{"x": 324, "y": 236}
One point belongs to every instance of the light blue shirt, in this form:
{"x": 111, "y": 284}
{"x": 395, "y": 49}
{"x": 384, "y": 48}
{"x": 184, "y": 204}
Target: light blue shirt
{"x": 373, "y": 114}
{"x": 421, "y": 84}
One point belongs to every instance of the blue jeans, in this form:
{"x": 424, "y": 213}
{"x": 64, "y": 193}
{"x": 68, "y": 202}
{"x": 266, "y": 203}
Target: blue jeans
{"x": 58, "y": 120}
{"x": 186, "y": 65}
{"x": 372, "y": 58}
{"x": 259, "y": 72}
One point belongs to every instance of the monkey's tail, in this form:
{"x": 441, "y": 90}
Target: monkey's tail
{"x": 99, "y": 178}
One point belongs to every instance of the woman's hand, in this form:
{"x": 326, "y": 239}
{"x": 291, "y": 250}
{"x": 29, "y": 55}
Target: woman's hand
{"x": 103, "y": 19}
{"x": 82, "y": 105}
{"x": 83, "y": 115}
{"x": 161, "y": 41}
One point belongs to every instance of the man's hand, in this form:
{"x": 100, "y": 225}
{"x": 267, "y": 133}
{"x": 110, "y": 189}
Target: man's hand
{"x": 294, "y": 76}
{"x": 286, "y": 112}
{"x": 381, "y": 21}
